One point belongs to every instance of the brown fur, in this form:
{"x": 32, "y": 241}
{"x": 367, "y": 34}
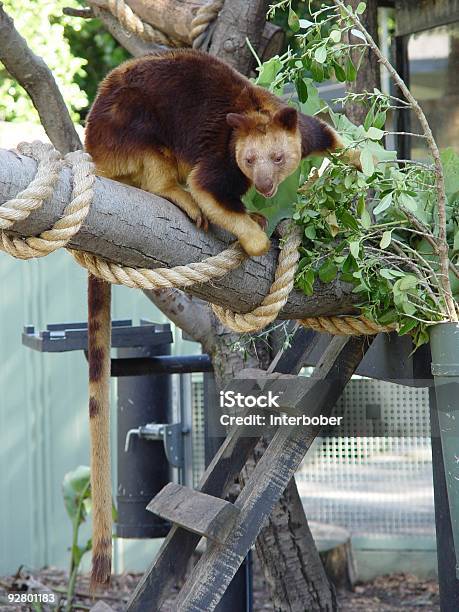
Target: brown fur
{"x": 184, "y": 116}
{"x": 99, "y": 332}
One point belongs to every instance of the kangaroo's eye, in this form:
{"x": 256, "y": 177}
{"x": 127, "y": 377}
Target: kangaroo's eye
{"x": 250, "y": 161}
{"x": 278, "y": 158}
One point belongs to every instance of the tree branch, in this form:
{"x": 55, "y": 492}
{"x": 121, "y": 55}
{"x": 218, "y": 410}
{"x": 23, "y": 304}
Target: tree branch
{"x": 133, "y": 44}
{"x": 34, "y": 75}
{"x": 140, "y": 229}
{"x": 191, "y": 314}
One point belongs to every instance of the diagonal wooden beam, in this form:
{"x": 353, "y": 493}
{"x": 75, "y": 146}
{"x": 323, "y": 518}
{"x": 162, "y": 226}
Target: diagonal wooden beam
{"x": 171, "y": 561}
{"x": 218, "y": 565}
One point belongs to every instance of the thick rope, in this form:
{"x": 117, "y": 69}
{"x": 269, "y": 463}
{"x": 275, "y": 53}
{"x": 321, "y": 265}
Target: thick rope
{"x": 132, "y": 23}
{"x": 41, "y": 188}
{"x": 269, "y": 309}
{"x": 163, "y": 278}
{"x": 345, "y": 326}
{"x": 74, "y": 213}
{"x": 201, "y": 23}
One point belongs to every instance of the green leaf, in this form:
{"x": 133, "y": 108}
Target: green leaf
{"x": 450, "y": 162}
{"x": 407, "y": 326}
{"x": 388, "y": 317}
{"x": 354, "y": 248}
{"x": 349, "y": 220}
{"x": 313, "y": 102}
{"x": 369, "y": 118}
{"x": 408, "y": 201}
{"x": 335, "y": 36}
{"x": 305, "y": 24}
{"x": 317, "y": 72}
{"x": 386, "y": 240}
{"x": 293, "y": 20}
{"x": 375, "y": 133}
{"x": 340, "y": 73}
{"x": 358, "y": 34}
{"x": 351, "y": 71}
{"x": 408, "y": 308}
{"x": 383, "y": 204}
{"x": 408, "y": 282}
{"x": 361, "y": 7}
{"x": 310, "y": 232}
{"x": 320, "y": 54}
{"x": 75, "y": 488}
{"x": 328, "y": 271}
{"x": 302, "y": 89}
{"x": 456, "y": 241}
{"x": 386, "y": 273}
{"x": 306, "y": 282}
{"x": 380, "y": 119}
{"x": 269, "y": 71}
{"x": 366, "y": 219}
{"x": 366, "y": 159}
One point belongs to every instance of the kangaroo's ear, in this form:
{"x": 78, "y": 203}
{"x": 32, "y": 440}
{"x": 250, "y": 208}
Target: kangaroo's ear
{"x": 287, "y": 118}
{"x": 238, "y": 122}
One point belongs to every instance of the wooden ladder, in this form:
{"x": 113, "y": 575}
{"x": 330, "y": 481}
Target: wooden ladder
{"x": 232, "y": 528}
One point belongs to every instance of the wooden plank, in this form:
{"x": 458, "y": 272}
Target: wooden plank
{"x": 417, "y": 15}
{"x": 171, "y": 562}
{"x": 203, "y": 514}
{"x": 216, "y": 568}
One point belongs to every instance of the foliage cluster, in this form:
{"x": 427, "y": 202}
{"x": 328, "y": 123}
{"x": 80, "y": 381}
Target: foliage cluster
{"x": 78, "y": 52}
{"x": 375, "y": 228}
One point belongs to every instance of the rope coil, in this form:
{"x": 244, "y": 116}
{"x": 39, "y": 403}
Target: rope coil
{"x": 132, "y": 23}
{"x": 50, "y": 163}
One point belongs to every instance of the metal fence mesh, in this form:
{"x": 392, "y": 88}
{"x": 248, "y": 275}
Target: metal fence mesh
{"x": 370, "y": 485}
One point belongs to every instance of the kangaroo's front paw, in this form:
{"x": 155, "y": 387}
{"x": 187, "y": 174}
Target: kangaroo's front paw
{"x": 255, "y": 243}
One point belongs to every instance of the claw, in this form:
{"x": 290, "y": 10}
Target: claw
{"x": 260, "y": 219}
{"x": 202, "y": 222}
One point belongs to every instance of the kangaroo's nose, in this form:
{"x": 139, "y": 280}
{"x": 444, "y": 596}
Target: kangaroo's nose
{"x": 265, "y": 186}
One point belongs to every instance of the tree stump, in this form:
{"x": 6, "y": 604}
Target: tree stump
{"x": 335, "y": 549}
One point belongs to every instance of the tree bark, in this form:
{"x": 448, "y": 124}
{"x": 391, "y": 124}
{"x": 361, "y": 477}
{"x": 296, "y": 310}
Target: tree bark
{"x": 369, "y": 75}
{"x": 140, "y": 229}
{"x": 174, "y": 18}
{"x": 292, "y": 565}
{"x": 134, "y": 45}
{"x": 237, "y": 21}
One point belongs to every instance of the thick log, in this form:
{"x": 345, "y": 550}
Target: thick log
{"x": 173, "y": 17}
{"x": 140, "y": 229}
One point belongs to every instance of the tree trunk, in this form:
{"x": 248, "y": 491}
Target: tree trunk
{"x": 291, "y": 563}
{"x": 369, "y": 75}
{"x": 239, "y": 20}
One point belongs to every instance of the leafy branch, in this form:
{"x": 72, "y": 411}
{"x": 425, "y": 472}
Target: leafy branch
{"x": 441, "y": 243}
{"x": 383, "y": 228}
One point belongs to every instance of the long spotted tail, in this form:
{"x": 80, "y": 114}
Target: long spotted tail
{"x": 99, "y": 340}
